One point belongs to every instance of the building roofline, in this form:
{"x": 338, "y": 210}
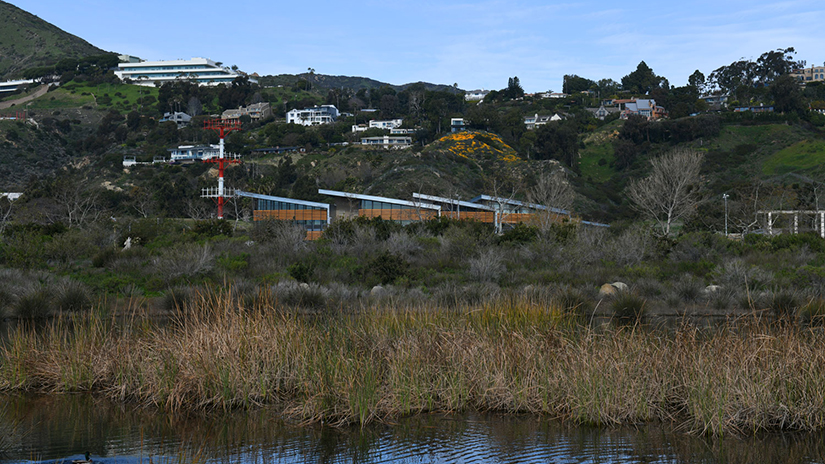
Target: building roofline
{"x": 452, "y": 201}
{"x": 259, "y": 196}
{"x": 519, "y": 203}
{"x": 356, "y": 196}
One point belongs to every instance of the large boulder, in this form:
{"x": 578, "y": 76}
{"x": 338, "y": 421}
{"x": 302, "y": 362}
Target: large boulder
{"x": 607, "y": 290}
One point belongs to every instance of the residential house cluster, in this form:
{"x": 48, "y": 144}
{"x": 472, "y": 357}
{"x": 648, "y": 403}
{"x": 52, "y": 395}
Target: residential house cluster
{"x": 256, "y": 111}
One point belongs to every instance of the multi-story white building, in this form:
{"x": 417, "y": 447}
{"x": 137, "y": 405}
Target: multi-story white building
{"x": 325, "y": 114}
{"x": 203, "y": 71}
{"x": 812, "y": 74}
{"x": 11, "y": 86}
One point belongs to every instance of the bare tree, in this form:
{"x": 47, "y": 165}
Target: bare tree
{"x": 553, "y": 191}
{"x": 143, "y": 201}
{"x": 671, "y": 191}
{"x": 5, "y": 212}
{"x": 194, "y": 107}
{"x": 199, "y": 210}
{"x": 78, "y": 202}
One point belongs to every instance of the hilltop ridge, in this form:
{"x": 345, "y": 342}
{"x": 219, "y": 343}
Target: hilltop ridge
{"x": 27, "y": 41}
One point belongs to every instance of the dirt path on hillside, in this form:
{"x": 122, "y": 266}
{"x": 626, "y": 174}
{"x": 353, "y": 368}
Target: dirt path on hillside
{"x": 40, "y": 92}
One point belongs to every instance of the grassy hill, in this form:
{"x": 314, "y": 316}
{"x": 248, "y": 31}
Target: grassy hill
{"x": 27, "y": 41}
{"x": 323, "y": 81}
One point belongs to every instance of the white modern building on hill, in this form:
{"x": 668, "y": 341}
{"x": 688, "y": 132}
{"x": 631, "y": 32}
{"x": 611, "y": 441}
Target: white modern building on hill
{"x": 325, "y": 114}
{"x": 11, "y": 86}
{"x": 203, "y": 71}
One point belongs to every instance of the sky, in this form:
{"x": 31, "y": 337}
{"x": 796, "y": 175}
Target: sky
{"x": 475, "y": 44}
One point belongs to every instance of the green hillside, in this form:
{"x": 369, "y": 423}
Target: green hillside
{"x": 27, "y": 41}
{"x": 323, "y": 81}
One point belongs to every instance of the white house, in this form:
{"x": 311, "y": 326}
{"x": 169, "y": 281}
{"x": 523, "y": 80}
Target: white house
{"x": 532, "y": 121}
{"x": 475, "y": 95}
{"x": 181, "y": 119}
{"x": 11, "y": 86}
{"x": 389, "y": 124}
{"x": 256, "y": 111}
{"x": 457, "y": 124}
{"x": 197, "y": 152}
{"x": 387, "y": 141}
{"x": 202, "y": 71}
{"x": 325, "y": 114}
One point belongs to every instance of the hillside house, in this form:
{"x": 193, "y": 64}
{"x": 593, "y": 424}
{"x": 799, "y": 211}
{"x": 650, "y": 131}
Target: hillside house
{"x": 317, "y": 115}
{"x": 256, "y": 111}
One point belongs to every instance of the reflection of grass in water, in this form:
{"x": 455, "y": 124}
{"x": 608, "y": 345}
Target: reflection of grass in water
{"x": 508, "y": 354}
{"x": 11, "y": 433}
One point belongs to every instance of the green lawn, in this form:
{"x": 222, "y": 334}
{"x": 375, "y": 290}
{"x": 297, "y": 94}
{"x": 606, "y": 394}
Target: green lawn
{"x": 120, "y": 97}
{"x": 807, "y": 154}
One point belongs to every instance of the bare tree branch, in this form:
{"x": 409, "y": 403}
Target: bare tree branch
{"x": 670, "y": 192}
{"x": 553, "y": 191}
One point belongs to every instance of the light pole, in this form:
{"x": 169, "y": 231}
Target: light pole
{"x": 725, "y": 197}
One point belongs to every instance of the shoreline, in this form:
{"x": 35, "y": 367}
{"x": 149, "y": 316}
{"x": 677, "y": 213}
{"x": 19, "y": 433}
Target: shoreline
{"x": 383, "y": 363}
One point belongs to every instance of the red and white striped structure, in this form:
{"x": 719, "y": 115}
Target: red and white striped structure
{"x": 223, "y": 126}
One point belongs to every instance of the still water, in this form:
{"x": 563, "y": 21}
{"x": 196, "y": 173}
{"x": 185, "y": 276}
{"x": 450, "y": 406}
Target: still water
{"x": 57, "y": 429}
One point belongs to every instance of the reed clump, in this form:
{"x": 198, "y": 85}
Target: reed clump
{"x": 507, "y": 354}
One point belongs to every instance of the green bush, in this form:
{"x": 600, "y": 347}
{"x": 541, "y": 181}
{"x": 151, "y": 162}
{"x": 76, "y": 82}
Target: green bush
{"x": 302, "y": 271}
{"x": 628, "y": 307}
{"x": 36, "y": 304}
{"x": 213, "y": 228}
{"x": 387, "y": 267}
{"x": 73, "y": 297}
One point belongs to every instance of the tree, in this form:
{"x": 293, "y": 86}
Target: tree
{"x": 513, "y": 89}
{"x": 671, "y": 191}
{"x": 642, "y": 80}
{"x": 5, "y": 212}
{"x": 787, "y": 97}
{"x": 575, "y": 84}
{"x": 558, "y": 140}
{"x": 553, "y": 191}
{"x": 697, "y": 81}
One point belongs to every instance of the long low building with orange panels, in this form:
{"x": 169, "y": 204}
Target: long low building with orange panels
{"x": 315, "y": 216}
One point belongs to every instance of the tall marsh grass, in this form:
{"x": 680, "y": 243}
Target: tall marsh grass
{"x": 509, "y": 354}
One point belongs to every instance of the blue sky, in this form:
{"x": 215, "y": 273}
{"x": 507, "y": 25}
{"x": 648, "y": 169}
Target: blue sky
{"x": 476, "y": 44}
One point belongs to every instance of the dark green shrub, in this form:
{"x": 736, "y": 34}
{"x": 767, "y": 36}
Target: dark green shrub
{"x": 628, "y": 307}
{"x": 302, "y": 271}
{"x": 688, "y": 288}
{"x": 813, "y": 312}
{"x": 521, "y": 233}
{"x": 36, "y": 304}
{"x": 784, "y": 303}
{"x": 73, "y": 297}
{"x": 387, "y": 267}
{"x": 104, "y": 257}
{"x": 213, "y": 228}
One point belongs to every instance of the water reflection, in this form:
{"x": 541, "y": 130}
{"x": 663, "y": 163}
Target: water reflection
{"x": 61, "y": 428}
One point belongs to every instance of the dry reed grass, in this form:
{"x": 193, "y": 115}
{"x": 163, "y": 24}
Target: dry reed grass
{"x": 510, "y": 355}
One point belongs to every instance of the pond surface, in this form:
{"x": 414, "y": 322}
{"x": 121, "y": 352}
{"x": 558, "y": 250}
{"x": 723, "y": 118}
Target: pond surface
{"x": 55, "y": 429}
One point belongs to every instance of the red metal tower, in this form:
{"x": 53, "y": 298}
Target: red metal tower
{"x": 223, "y": 126}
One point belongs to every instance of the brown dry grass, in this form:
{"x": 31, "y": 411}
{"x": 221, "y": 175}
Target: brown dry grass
{"x": 507, "y": 355}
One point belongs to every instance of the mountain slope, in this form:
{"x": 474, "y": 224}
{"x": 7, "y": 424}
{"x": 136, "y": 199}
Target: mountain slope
{"x": 325, "y": 81}
{"x": 27, "y": 41}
